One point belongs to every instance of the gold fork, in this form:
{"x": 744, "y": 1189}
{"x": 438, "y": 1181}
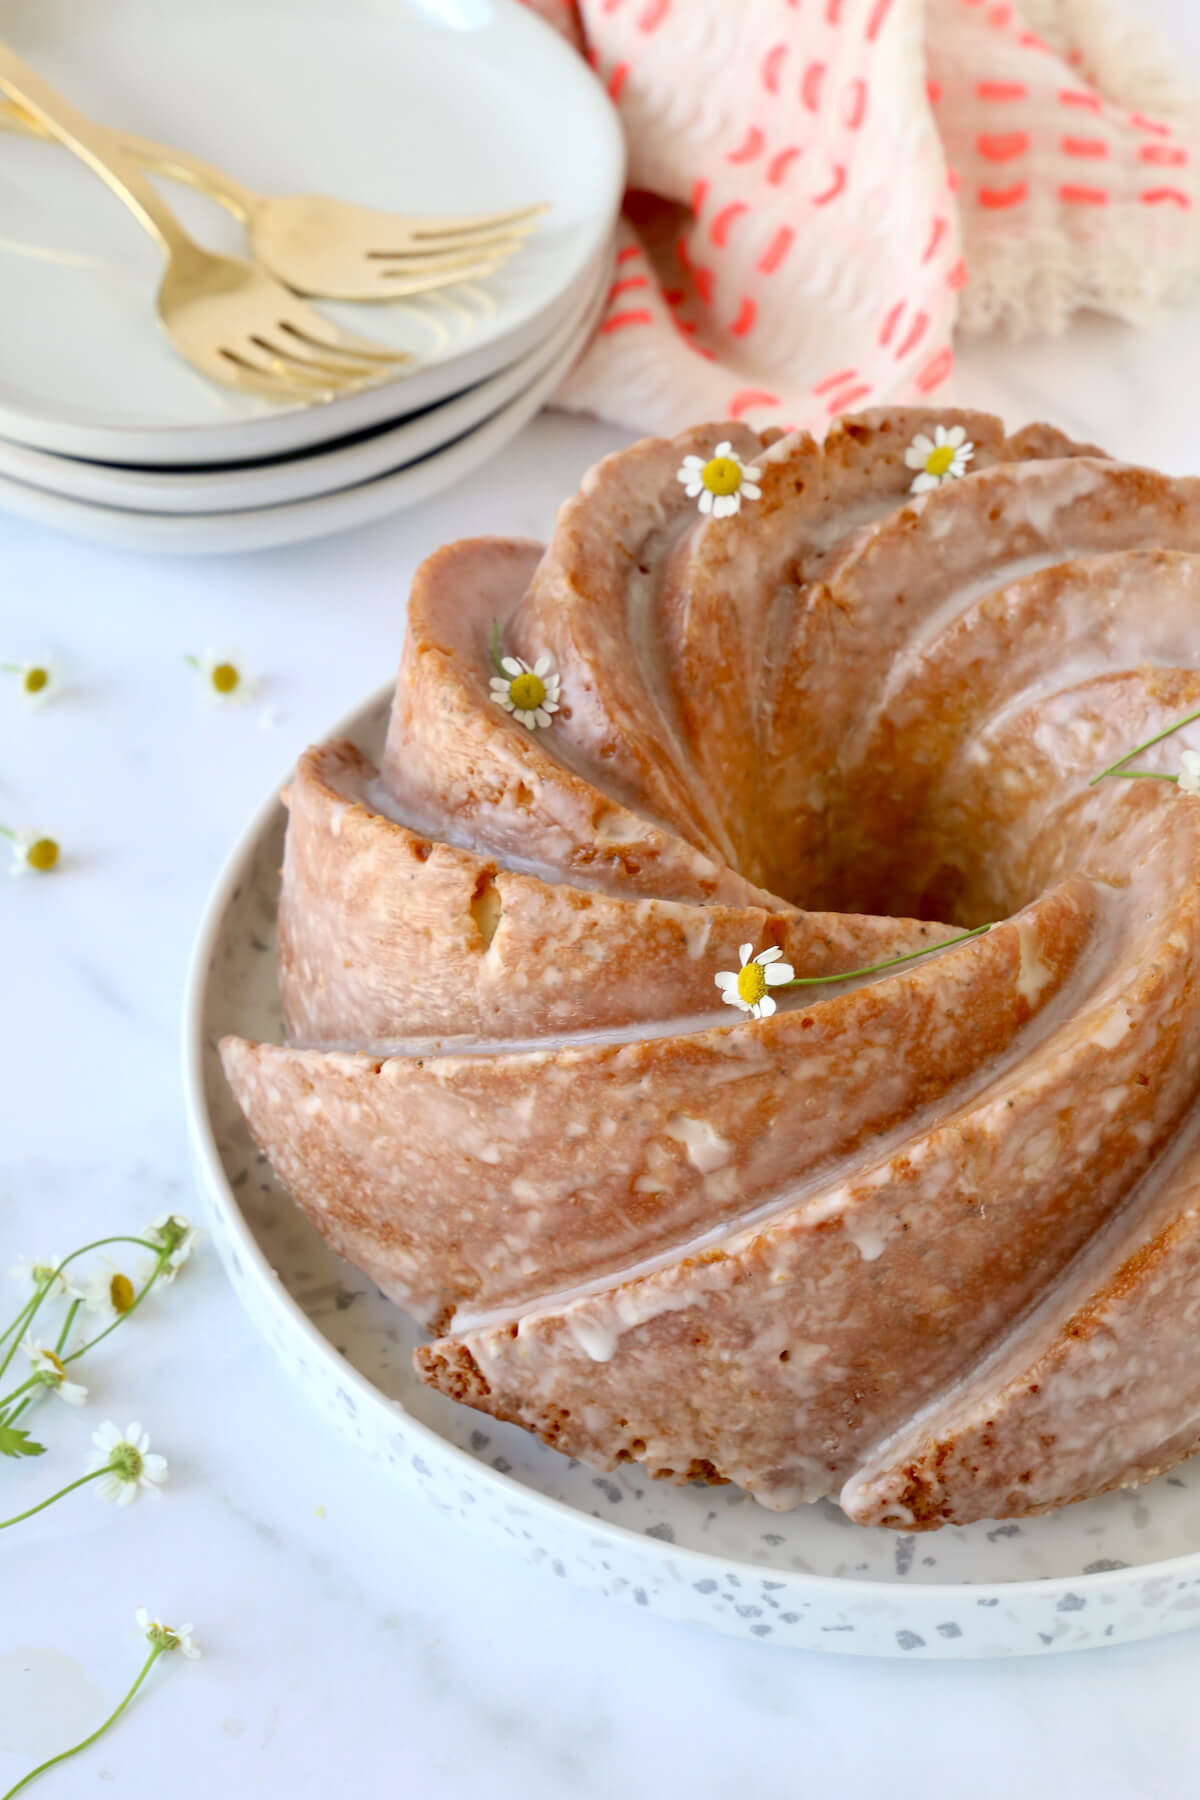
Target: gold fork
{"x": 327, "y": 247}
{"x": 228, "y": 317}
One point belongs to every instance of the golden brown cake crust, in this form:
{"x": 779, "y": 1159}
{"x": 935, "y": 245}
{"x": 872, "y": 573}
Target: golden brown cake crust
{"x": 930, "y": 1241}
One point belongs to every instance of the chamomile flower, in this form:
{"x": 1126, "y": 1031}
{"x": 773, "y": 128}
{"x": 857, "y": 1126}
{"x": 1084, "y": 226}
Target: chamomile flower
{"x": 746, "y": 988}
{"x": 42, "y": 1274}
{"x": 942, "y": 457}
{"x": 177, "y": 1237}
{"x": 719, "y": 482}
{"x": 128, "y": 1465}
{"x": 39, "y": 681}
{"x": 49, "y": 1371}
{"x": 108, "y": 1294}
{"x": 32, "y": 852}
{"x": 226, "y": 680}
{"x": 530, "y": 694}
{"x": 168, "y": 1637}
{"x": 1189, "y": 772}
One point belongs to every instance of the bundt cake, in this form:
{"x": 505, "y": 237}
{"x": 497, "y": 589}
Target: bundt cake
{"x": 927, "y": 1239}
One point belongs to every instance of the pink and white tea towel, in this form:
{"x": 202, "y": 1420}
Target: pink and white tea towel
{"x": 820, "y": 190}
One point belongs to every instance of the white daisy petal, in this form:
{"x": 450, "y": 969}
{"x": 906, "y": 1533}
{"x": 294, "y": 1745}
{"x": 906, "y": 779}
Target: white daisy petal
{"x": 753, "y": 473}
{"x": 956, "y": 436}
{"x": 724, "y": 505}
{"x": 694, "y": 464}
{"x": 706, "y": 500}
{"x": 1189, "y": 772}
{"x": 770, "y": 955}
{"x": 751, "y": 491}
{"x": 725, "y": 449}
{"x": 541, "y": 716}
{"x": 923, "y": 446}
{"x": 924, "y": 484}
{"x": 725, "y": 979}
{"x": 766, "y": 1007}
{"x": 744, "y": 951}
{"x": 512, "y": 665}
{"x": 778, "y": 974}
{"x": 542, "y": 665}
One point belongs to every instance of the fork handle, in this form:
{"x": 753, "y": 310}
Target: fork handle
{"x": 95, "y": 146}
{"x": 163, "y": 159}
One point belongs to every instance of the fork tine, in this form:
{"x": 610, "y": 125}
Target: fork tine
{"x": 273, "y": 360}
{"x": 401, "y": 283}
{"x": 347, "y": 370}
{"x": 253, "y": 378}
{"x": 428, "y": 262}
{"x": 322, "y": 334}
{"x": 470, "y": 224}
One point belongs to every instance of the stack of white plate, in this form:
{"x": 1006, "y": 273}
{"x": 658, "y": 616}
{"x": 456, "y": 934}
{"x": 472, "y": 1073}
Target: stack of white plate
{"x": 431, "y": 106}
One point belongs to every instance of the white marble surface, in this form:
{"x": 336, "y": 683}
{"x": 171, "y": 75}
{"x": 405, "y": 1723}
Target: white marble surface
{"x": 356, "y": 1641}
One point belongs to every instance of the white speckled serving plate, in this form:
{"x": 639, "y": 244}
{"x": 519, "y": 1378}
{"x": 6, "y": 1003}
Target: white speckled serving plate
{"x": 1124, "y": 1567}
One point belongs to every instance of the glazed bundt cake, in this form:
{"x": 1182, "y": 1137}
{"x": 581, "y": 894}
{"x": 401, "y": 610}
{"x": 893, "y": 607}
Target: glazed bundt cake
{"x": 767, "y": 712}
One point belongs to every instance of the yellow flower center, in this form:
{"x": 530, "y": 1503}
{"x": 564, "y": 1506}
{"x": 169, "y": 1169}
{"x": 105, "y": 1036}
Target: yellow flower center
{"x": 120, "y": 1292}
{"x": 939, "y": 460}
{"x": 35, "y": 680}
{"x": 722, "y": 475}
{"x": 752, "y": 983}
{"x": 527, "y": 691}
{"x": 225, "y": 678}
{"x": 42, "y": 856}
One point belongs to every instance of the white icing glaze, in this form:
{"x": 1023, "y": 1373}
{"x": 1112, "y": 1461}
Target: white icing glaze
{"x": 1034, "y": 972}
{"x": 706, "y": 1148}
{"x": 1112, "y": 1029}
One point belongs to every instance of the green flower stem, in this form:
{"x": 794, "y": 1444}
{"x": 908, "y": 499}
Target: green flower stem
{"x": 64, "y": 1334}
{"x": 6, "y": 832}
{"x": 87, "y": 1743}
{"x": 1148, "y": 745}
{"x": 29, "y": 1311}
{"x": 121, "y": 1317}
{"x": 92, "y": 1475}
{"x": 22, "y": 1318}
{"x": 16, "y": 1395}
{"x": 874, "y": 968}
{"x": 1132, "y": 775}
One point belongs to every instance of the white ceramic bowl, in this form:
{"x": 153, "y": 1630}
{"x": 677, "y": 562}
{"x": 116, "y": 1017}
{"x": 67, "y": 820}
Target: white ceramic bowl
{"x": 1123, "y": 1567}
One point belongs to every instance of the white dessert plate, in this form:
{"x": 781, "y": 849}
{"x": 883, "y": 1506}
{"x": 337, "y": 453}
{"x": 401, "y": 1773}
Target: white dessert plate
{"x": 241, "y": 488}
{"x": 264, "y": 528}
{"x": 434, "y": 106}
{"x": 1123, "y": 1567}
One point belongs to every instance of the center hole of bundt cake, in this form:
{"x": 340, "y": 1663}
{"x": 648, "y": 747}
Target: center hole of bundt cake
{"x": 876, "y": 861}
